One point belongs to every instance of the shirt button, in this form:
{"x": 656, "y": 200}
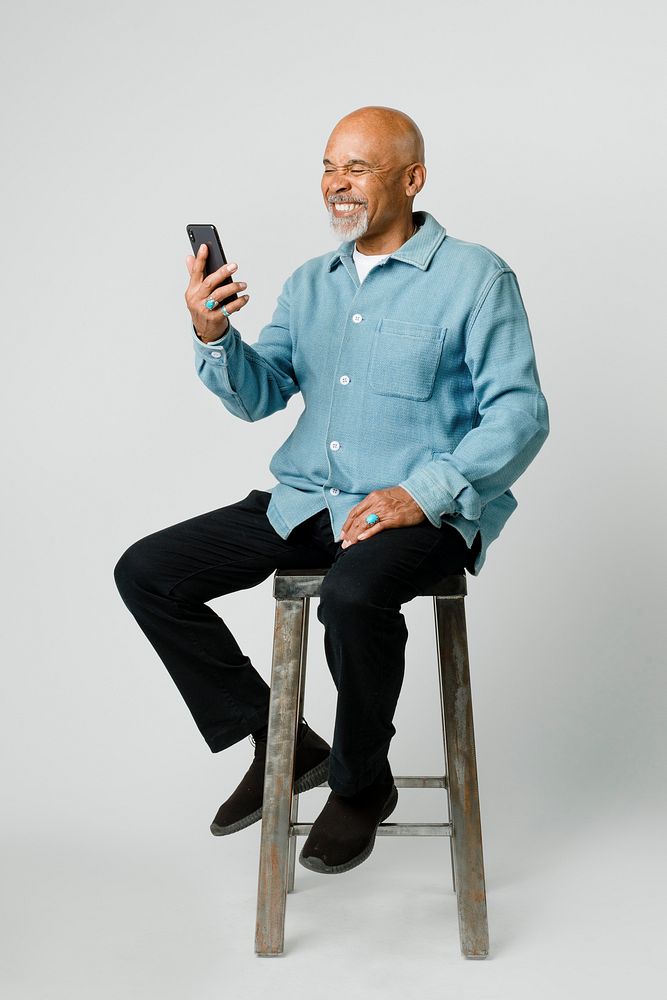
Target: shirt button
{"x": 334, "y": 490}
{"x": 335, "y": 445}
{"x": 344, "y": 379}
{"x": 357, "y": 318}
{"x": 216, "y": 354}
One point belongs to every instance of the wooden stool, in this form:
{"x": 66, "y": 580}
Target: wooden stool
{"x": 293, "y": 590}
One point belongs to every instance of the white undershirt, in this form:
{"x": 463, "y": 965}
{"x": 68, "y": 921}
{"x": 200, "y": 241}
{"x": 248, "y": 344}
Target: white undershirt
{"x": 364, "y": 262}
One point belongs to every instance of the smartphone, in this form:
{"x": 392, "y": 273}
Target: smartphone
{"x": 215, "y": 258}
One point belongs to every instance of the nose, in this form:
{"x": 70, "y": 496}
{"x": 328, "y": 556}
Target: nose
{"x": 338, "y": 182}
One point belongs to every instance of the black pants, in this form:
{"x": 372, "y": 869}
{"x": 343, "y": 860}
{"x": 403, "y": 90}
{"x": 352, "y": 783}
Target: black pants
{"x": 166, "y": 578}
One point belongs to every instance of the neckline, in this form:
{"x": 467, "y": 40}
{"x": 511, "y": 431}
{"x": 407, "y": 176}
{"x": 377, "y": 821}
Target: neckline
{"x": 369, "y": 256}
{"x": 379, "y": 256}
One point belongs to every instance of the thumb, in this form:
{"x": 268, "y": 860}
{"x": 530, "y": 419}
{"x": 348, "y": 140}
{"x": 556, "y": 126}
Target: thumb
{"x": 189, "y": 262}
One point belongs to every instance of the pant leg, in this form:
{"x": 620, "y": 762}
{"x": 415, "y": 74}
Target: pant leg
{"x": 165, "y": 580}
{"x": 365, "y": 636}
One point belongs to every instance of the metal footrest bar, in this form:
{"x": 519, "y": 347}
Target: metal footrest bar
{"x": 414, "y": 830}
{"x": 408, "y": 781}
{"x": 390, "y": 830}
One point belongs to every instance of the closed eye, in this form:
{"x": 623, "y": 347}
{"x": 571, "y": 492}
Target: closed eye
{"x": 355, "y": 169}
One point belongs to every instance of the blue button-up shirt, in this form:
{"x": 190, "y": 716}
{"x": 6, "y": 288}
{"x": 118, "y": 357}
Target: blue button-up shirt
{"x": 423, "y": 376}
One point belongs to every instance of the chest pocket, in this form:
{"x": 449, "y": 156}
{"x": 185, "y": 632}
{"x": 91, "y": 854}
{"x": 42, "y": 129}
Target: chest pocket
{"x": 404, "y": 358}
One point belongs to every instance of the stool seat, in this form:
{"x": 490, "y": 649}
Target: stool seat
{"x": 295, "y": 584}
{"x": 293, "y": 589}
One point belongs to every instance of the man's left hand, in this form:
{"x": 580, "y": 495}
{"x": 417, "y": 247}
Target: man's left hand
{"x": 395, "y": 508}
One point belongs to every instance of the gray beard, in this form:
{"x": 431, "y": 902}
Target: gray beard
{"x": 350, "y": 229}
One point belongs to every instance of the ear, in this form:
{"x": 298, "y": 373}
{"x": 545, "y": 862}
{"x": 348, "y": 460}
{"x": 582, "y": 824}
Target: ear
{"x": 416, "y": 178}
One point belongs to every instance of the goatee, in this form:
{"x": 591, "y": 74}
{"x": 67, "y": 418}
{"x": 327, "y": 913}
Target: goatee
{"x": 349, "y": 229}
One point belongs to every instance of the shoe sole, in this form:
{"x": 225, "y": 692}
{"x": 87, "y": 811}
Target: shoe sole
{"x": 317, "y": 865}
{"x": 309, "y": 780}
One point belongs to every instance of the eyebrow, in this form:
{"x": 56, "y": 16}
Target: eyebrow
{"x": 365, "y": 162}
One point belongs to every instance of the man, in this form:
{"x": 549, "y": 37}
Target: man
{"x": 422, "y": 406}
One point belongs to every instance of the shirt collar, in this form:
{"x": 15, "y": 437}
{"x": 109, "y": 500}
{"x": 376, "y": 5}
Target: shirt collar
{"x": 418, "y": 250}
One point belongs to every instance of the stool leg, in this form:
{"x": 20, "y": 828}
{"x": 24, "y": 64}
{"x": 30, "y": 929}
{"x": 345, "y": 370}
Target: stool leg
{"x": 462, "y": 769}
{"x": 279, "y": 777}
{"x": 294, "y": 814}
{"x": 291, "y": 861}
{"x": 444, "y": 743}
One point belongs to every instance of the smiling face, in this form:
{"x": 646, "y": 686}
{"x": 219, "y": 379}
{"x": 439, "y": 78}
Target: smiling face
{"x": 373, "y": 168}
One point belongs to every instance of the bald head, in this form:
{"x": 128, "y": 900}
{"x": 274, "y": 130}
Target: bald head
{"x": 387, "y": 129}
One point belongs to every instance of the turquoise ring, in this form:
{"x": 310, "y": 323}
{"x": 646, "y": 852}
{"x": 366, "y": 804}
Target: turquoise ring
{"x": 372, "y": 519}
{"x": 210, "y": 303}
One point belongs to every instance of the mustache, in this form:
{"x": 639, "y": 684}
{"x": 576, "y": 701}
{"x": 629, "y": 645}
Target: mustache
{"x": 333, "y": 200}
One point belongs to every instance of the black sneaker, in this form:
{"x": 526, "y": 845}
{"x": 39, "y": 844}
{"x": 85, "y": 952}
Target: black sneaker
{"x": 343, "y": 835}
{"x": 244, "y": 805}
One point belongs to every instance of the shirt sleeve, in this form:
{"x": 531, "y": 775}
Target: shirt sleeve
{"x": 251, "y": 381}
{"x": 512, "y": 418}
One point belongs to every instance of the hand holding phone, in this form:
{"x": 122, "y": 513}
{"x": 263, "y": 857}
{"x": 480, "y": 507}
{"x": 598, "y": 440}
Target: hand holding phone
{"x": 211, "y": 281}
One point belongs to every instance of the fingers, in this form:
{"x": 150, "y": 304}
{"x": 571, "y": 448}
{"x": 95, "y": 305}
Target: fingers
{"x": 378, "y": 502}
{"x": 211, "y": 324}
{"x": 367, "y": 533}
{"x": 364, "y": 530}
{"x": 222, "y": 293}
{"x": 359, "y": 511}
{"x": 356, "y": 526}
{"x": 206, "y": 285}
{"x": 372, "y": 529}
{"x": 196, "y": 265}
{"x": 217, "y": 277}
{"x": 231, "y": 307}
{"x": 237, "y": 304}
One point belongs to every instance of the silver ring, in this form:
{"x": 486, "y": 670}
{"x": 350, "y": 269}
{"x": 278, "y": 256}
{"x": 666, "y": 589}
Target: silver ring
{"x": 224, "y": 311}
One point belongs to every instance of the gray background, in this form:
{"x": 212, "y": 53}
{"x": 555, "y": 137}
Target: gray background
{"x": 123, "y": 122}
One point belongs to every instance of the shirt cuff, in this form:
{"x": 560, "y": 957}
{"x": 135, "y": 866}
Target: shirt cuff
{"x": 215, "y": 351}
{"x": 435, "y": 499}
